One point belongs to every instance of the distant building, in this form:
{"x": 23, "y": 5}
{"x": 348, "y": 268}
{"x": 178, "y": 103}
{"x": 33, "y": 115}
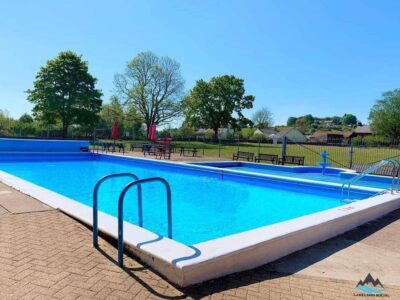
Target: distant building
{"x": 200, "y": 132}
{"x": 293, "y": 134}
{"x": 362, "y": 131}
{"x": 268, "y": 133}
{"x": 328, "y": 122}
{"x": 224, "y": 133}
{"x": 330, "y": 136}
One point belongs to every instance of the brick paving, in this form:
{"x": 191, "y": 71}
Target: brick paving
{"x": 48, "y": 255}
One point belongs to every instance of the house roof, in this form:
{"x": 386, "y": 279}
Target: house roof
{"x": 285, "y": 131}
{"x": 321, "y": 133}
{"x": 366, "y": 129}
{"x": 268, "y": 131}
{"x": 200, "y": 131}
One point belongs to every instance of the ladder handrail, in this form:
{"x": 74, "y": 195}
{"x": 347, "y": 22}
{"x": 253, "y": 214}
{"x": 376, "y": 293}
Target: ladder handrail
{"x": 121, "y": 211}
{"x": 395, "y": 177}
{"x": 374, "y": 167}
{"x": 95, "y": 201}
{"x": 369, "y": 170}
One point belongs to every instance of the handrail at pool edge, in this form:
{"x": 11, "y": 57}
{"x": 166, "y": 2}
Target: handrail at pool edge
{"x": 139, "y": 182}
{"x": 95, "y": 202}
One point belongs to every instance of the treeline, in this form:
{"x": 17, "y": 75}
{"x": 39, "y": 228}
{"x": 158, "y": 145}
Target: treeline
{"x": 308, "y": 124}
{"x": 24, "y": 126}
{"x": 150, "y": 90}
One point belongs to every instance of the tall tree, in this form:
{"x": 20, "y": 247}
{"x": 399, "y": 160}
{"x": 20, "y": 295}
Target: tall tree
{"x": 217, "y": 103}
{"x": 153, "y": 86}
{"x": 291, "y": 121}
{"x": 263, "y": 118}
{"x": 26, "y": 118}
{"x": 349, "y": 119}
{"x": 336, "y": 120}
{"x": 385, "y": 115}
{"x": 6, "y": 123}
{"x": 308, "y": 119}
{"x": 65, "y": 92}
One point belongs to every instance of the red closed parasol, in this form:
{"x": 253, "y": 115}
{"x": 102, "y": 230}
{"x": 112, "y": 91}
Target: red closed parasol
{"x": 114, "y": 133}
{"x": 152, "y": 136}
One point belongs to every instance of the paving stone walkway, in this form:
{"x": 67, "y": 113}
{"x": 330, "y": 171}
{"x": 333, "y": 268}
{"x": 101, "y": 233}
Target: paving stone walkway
{"x": 45, "y": 254}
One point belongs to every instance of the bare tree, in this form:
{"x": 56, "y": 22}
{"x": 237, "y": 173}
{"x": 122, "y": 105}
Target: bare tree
{"x": 153, "y": 86}
{"x": 263, "y": 118}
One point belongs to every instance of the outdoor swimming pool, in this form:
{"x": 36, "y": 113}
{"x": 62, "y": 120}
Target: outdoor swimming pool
{"x": 223, "y": 221}
{"x": 205, "y": 205}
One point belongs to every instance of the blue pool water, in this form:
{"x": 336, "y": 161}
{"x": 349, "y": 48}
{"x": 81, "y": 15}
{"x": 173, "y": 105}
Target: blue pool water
{"x": 205, "y": 205}
{"x": 312, "y": 173}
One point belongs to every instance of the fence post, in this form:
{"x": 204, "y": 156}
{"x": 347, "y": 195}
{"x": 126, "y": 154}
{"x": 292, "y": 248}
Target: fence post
{"x": 219, "y": 147}
{"x": 351, "y": 154}
{"x": 258, "y": 147}
{"x": 238, "y": 145}
{"x": 94, "y": 141}
{"x": 284, "y": 142}
{"x": 204, "y": 143}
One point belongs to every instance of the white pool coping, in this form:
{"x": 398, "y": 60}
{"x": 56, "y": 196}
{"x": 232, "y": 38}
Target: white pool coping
{"x": 187, "y": 265}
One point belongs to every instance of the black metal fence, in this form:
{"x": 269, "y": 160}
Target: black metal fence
{"x": 344, "y": 154}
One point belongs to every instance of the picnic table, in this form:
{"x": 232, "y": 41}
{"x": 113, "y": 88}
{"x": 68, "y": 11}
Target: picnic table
{"x": 149, "y": 149}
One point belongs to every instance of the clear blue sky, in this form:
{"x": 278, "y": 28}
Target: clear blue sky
{"x": 297, "y": 57}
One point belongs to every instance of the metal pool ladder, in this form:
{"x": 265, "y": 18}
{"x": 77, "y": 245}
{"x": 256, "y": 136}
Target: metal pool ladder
{"x": 121, "y": 211}
{"x": 95, "y": 202}
{"x": 371, "y": 169}
{"x": 136, "y": 182}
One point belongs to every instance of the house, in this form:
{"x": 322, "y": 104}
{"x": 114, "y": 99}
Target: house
{"x": 224, "y": 133}
{"x": 200, "y": 132}
{"x": 362, "y": 131}
{"x": 330, "y": 136}
{"x": 328, "y": 123}
{"x": 292, "y": 134}
{"x": 268, "y": 133}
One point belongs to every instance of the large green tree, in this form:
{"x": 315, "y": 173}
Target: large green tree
{"x": 64, "y": 92}
{"x": 153, "y": 86}
{"x": 217, "y": 103}
{"x": 308, "y": 119}
{"x": 349, "y": 120}
{"x": 291, "y": 121}
{"x": 385, "y": 115}
{"x": 26, "y": 118}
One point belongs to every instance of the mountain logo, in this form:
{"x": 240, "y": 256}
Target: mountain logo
{"x": 370, "y": 286}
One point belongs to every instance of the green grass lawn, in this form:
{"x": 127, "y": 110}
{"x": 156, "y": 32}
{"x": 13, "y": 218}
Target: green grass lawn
{"x": 339, "y": 156}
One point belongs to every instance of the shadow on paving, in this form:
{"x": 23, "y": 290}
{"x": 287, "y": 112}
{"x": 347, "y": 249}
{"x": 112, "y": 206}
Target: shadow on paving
{"x": 266, "y": 272}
